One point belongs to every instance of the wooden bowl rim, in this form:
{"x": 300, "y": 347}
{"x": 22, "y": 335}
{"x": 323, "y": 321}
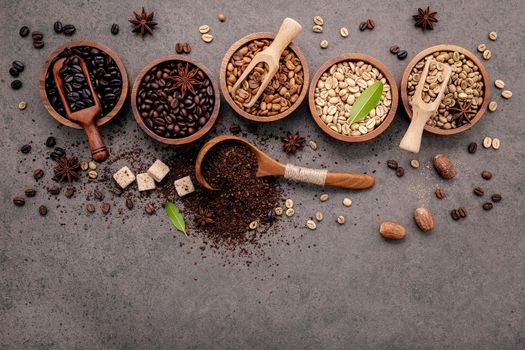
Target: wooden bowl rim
{"x": 354, "y": 56}
{"x": 224, "y": 87}
{"x": 446, "y": 47}
{"x": 183, "y": 140}
{"x": 123, "y": 72}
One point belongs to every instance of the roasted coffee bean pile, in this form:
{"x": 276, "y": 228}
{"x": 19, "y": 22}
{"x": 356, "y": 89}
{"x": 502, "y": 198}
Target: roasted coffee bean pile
{"x": 175, "y": 99}
{"x": 76, "y": 86}
{"x": 103, "y": 72}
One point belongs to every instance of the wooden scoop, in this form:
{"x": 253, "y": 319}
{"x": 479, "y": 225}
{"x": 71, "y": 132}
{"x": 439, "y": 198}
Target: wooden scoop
{"x": 421, "y": 111}
{"x": 85, "y": 117}
{"x": 268, "y": 166}
{"x": 271, "y": 55}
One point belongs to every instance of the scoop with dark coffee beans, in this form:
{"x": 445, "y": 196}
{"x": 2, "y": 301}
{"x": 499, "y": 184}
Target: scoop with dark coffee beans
{"x": 76, "y": 87}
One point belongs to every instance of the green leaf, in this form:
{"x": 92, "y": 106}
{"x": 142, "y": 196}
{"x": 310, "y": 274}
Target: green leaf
{"x": 176, "y": 217}
{"x": 366, "y": 102}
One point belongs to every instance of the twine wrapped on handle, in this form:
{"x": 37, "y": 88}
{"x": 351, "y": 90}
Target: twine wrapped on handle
{"x": 313, "y": 176}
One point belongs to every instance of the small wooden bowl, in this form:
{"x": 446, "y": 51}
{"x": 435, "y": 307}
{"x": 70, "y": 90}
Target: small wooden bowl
{"x": 469, "y": 55}
{"x": 354, "y": 57}
{"x": 123, "y": 72}
{"x": 224, "y": 86}
{"x": 183, "y": 140}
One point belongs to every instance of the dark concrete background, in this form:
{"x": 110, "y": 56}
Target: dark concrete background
{"x": 124, "y": 281}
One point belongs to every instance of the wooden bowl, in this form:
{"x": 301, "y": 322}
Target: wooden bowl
{"x": 183, "y": 140}
{"x": 469, "y": 55}
{"x": 354, "y": 57}
{"x": 123, "y": 72}
{"x": 224, "y": 87}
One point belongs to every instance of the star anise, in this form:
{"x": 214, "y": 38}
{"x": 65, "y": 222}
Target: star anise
{"x": 425, "y": 18}
{"x": 461, "y": 112}
{"x": 185, "y": 79}
{"x": 143, "y": 23}
{"x": 204, "y": 217}
{"x": 67, "y": 169}
{"x": 292, "y": 142}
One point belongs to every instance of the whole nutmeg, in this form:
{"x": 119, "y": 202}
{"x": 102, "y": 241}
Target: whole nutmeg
{"x": 423, "y": 219}
{"x": 392, "y": 230}
{"x": 444, "y": 166}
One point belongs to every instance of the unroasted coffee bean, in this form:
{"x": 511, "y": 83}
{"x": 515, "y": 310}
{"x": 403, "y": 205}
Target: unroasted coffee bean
{"x": 54, "y": 190}
{"x": 38, "y": 174}
{"x": 487, "y": 175}
{"x": 114, "y": 29}
{"x": 150, "y": 209}
{"x": 58, "y": 27}
{"x": 98, "y": 195}
{"x": 19, "y": 201}
{"x": 42, "y": 210}
{"x": 402, "y": 54}
{"x": 25, "y": 149}
{"x": 24, "y": 31}
{"x": 462, "y": 212}
{"x": 400, "y": 171}
{"x": 129, "y": 203}
{"x": 392, "y": 164}
{"x": 51, "y": 141}
{"x": 472, "y": 147}
{"x": 454, "y": 214}
{"x": 478, "y": 191}
{"x": 38, "y": 44}
{"x": 16, "y": 84}
{"x": 116, "y": 191}
{"x": 30, "y": 192}
{"x": 37, "y": 36}
{"x": 496, "y": 197}
{"x": 105, "y": 208}
{"x": 487, "y": 206}
{"x": 394, "y": 49}
{"x": 370, "y": 24}
{"x": 363, "y": 26}
{"x": 440, "y": 193}
{"x": 70, "y": 191}
{"x": 69, "y": 29}
{"x": 90, "y": 208}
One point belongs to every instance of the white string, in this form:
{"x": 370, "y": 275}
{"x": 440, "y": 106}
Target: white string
{"x": 313, "y": 176}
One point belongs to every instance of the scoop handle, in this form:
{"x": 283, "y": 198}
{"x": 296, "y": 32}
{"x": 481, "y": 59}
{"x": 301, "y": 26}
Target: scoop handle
{"x": 351, "y": 181}
{"x": 99, "y": 151}
{"x": 289, "y": 29}
{"x": 412, "y": 140}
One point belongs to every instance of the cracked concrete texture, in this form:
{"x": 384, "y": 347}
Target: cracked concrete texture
{"x": 72, "y": 281}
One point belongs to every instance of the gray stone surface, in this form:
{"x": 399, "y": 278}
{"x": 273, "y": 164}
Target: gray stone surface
{"x": 124, "y": 281}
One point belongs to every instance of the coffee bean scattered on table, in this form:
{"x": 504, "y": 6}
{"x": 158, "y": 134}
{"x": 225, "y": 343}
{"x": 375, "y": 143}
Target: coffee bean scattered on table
{"x": 472, "y": 147}
{"x": 42, "y": 210}
{"x": 105, "y": 208}
{"x": 30, "y": 192}
{"x": 440, "y": 193}
{"x": 149, "y": 209}
{"x": 116, "y": 191}
{"x": 51, "y": 142}
{"x": 16, "y": 84}
{"x": 478, "y": 191}
{"x": 54, "y": 190}
{"x": 402, "y": 54}
{"x": 392, "y": 164}
{"x": 25, "y": 149}
{"x": 462, "y": 212}
{"x": 487, "y": 206}
{"x": 38, "y": 174}
{"x": 394, "y": 49}
{"x": 24, "y": 31}
{"x": 70, "y": 192}
{"x": 69, "y": 29}
{"x": 58, "y": 27}
{"x": 487, "y": 175}
{"x": 90, "y": 208}
{"x": 114, "y": 29}
{"x": 400, "y": 171}
{"x": 19, "y": 201}
{"x": 37, "y": 35}
{"x": 496, "y": 197}
{"x": 129, "y": 203}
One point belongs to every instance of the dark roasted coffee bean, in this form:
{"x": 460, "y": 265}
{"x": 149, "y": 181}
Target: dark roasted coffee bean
{"x": 496, "y": 197}
{"x": 440, "y": 193}
{"x": 394, "y": 49}
{"x": 478, "y": 191}
{"x": 51, "y": 141}
{"x": 402, "y": 54}
{"x": 150, "y": 209}
{"x": 114, "y": 29}
{"x": 363, "y": 26}
{"x": 462, "y": 212}
{"x": 13, "y": 72}
{"x": 38, "y": 174}
{"x": 186, "y": 47}
{"x": 55, "y": 156}
{"x": 55, "y": 190}
{"x": 105, "y": 207}
{"x": 69, "y": 29}
{"x": 178, "y": 48}
{"x": 70, "y": 192}
{"x": 42, "y": 210}
{"x": 235, "y": 129}
{"x": 25, "y": 149}
{"x": 472, "y": 147}
{"x": 487, "y": 175}
{"x": 90, "y": 208}
{"x": 24, "y": 31}
{"x": 392, "y": 164}
{"x": 58, "y": 27}
{"x": 454, "y": 214}
{"x": 19, "y": 66}
{"x": 98, "y": 195}
{"x": 37, "y": 36}
{"x": 116, "y": 191}
{"x": 19, "y": 201}
{"x": 370, "y": 24}
{"x": 16, "y": 84}
{"x": 129, "y": 203}
{"x": 30, "y": 192}
{"x": 38, "y": 44}
{"x": 400, "y": 171}
{"x": 487, "y": 206}
{"x": 60, "y": 151}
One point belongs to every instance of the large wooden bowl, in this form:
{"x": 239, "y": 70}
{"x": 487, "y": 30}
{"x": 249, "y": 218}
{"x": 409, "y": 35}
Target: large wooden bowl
{"x": 469, "y": 55}
{"x": 183, "y": 140}
{"x": 224, "y": 86}
{"x": 354, "y": 57}
{"x": 123, "y": 72}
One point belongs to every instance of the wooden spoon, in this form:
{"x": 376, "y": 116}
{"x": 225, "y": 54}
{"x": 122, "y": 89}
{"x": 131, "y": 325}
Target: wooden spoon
{"x": 287, "y": 32}
{"x": 268, "y": 166}
{"x": 422, "y": 110}
{"x": 85, "y": 117}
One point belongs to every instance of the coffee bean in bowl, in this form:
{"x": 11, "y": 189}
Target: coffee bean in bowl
{"x": 284, "y": 93}
{"x": 174, "y": 100}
